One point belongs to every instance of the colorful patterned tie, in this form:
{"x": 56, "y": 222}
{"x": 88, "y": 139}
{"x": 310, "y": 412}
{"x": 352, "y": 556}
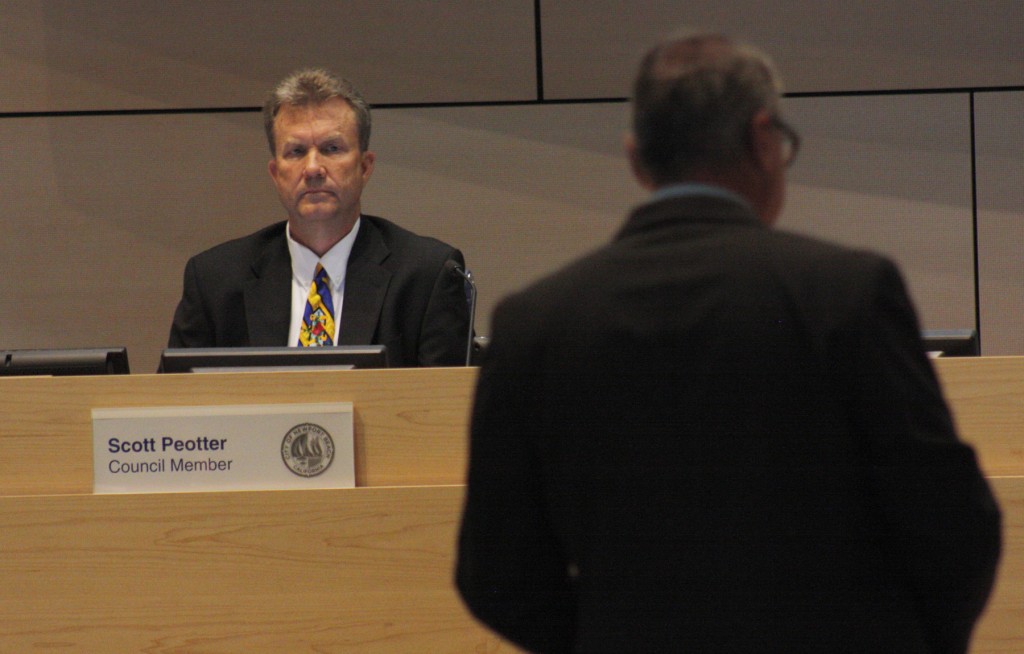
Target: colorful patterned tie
{"x": 318, "y": 318}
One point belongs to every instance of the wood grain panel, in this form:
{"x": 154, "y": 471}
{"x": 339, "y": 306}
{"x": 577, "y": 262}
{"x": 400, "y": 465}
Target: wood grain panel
{"x": 365, "y": 569}
{"x": 358, "y": 570}
{"x": 986, "y": 395}
{"x": 410, "y": 425}
{"x": 1001, "y": 628}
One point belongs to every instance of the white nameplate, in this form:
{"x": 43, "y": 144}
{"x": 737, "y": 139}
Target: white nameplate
{"x": 216, "y": 448}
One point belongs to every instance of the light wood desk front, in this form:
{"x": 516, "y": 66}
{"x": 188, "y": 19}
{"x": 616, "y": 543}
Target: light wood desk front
{"x": 986, "y": 395}
{"x": 366, "y": 569}
{"x": 351, "y": 570}
{"x": 410, "y": 424}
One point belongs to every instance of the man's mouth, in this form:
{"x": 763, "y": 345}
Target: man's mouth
{"x": 316, "y": 192}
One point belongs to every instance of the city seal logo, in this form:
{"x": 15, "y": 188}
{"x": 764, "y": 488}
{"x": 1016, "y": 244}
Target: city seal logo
{"x": 307, "y": 449}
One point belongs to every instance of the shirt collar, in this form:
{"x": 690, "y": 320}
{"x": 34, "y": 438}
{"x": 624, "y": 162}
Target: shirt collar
{"x": 693, "y": 189}
{"x": 334, "y": 261}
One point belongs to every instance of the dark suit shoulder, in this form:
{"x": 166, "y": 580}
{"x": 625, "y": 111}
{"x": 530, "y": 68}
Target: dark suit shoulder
{"x": 830, "y": 272}
{"x": 245, "y": 248}
{"x": 715, "y": 223}
{"x": 800, "y": 248}
{"x": 737, "y": 263}
{"x": 398, "y": 238}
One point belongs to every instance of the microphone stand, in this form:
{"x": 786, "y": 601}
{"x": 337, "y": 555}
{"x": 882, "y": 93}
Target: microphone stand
{"x": 467, "y": 277}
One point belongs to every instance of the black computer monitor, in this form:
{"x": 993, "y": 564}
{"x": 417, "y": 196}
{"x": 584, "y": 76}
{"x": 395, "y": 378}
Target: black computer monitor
{"x": 76, "y": 361}
{"x": 235, "y": 359}
{"x": 951, "y": 342}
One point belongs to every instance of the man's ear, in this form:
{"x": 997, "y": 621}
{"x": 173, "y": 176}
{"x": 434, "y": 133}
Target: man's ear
{"x": 367, "y": 160}
{"x": 272, "y": 169}
{"x": 635, "y": 165}
{"x": 763, "y": 141}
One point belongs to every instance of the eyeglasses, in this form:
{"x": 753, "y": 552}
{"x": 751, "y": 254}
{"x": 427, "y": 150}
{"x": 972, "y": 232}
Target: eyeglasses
{"x": 790, "y": 140}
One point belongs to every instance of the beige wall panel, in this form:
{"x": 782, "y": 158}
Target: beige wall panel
{"x": 999, "y": 125}
{"x": 892, "y": 174}
{"x": 591, "y": 48}
{"x": 529, "y": 188}
{"x": 69, "y": 55}
{"x": 535, "y": 186}
{"x": 101, "y": 213}
{"x": 521, "y": 190}
{"x": 104, "y": 211}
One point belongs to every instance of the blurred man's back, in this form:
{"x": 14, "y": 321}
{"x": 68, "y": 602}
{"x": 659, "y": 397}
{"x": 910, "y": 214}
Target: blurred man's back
{"x": 711, "y": 436}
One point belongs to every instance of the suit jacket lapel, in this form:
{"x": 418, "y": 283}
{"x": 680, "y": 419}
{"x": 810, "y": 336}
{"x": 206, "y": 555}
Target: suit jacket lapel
{"x": 366, "y": 284}
{"x": 268, "y": 296}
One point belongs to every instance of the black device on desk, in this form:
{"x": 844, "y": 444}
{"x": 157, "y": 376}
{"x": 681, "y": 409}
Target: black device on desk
{"x": 951, "y": 342}
{"x": 74, "y": 361}
{"x": 236, "y": 359}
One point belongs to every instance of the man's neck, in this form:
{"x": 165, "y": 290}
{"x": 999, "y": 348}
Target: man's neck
{"x": 742, "y": 182}
{"x": 321, "y": 237}
{"x": 696, "y": 189}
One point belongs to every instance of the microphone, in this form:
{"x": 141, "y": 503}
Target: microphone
{"x": 467, "y": 277}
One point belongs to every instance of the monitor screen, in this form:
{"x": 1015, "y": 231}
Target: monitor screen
{"x": 951, "y": 343}
{"x": 236, "y": 359}
{"x": 85, "y": 361}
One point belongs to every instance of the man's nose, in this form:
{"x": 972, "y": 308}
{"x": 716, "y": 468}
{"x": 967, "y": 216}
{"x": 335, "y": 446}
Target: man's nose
{"x": 313, "y": 166}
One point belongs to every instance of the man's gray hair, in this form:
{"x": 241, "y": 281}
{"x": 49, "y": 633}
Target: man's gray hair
{"x": 693, "y": 100}
{"x": 313, "y": 86}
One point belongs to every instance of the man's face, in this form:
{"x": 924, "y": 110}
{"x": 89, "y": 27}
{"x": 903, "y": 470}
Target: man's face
{"x": 318, "y": 167}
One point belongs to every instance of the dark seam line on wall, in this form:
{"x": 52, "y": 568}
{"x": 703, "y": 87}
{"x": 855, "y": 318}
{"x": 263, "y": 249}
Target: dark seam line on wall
{"x": 539, "y": 47}
{"x": 947, "y": 90}
{"x": 127, "y": 112}
{"x": 974, "y": 217}
{"x": 236, "y": 110}
{"x": 483, "y": 103}
{"x": 497, "y": 103}
{"x": 611, "y": 100}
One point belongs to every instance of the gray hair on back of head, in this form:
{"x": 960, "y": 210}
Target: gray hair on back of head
{"x": 693, "y": 99}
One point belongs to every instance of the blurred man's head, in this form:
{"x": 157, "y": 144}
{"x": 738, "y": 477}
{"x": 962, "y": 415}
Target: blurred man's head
{"x": 706, "y": 109}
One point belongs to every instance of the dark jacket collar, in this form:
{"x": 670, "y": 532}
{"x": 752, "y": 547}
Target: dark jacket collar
{"x": 267, "y": 293}
{"x": 366, "y": 285}
{"x": 694, "y": 209}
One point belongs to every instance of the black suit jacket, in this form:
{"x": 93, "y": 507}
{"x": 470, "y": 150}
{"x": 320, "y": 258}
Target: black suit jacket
{"x": 398, "y": 292}
{"x": 709, "y": 436}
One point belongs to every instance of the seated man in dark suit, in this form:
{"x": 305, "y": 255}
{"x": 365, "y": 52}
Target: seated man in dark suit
{"x": 712, "y": 436}
{"x": 329, "y": 274}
